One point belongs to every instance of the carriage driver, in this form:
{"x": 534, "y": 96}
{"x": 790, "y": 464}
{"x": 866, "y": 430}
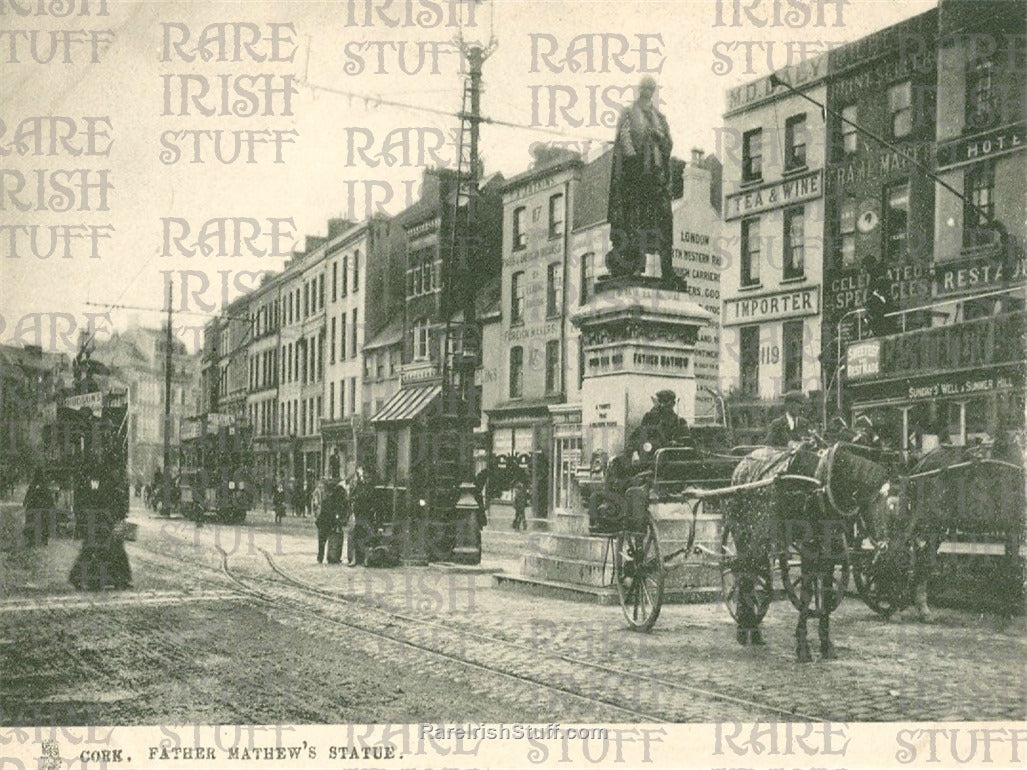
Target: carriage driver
{"x": 791, "y": 426}
{"x": 661, "y": 424}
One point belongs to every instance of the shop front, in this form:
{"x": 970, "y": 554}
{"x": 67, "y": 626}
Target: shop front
{"x": 522, "y": 436}
{"x": 348, "y": 443}
{"x": 952, "y": 384}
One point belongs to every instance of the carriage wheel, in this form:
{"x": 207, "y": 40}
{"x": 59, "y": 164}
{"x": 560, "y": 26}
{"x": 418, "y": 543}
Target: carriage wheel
{"x": 734, "y": 569}
{"x": 790, "y": 562}
{"x": 639, "y": 574}
{"x": 884, "y": 577}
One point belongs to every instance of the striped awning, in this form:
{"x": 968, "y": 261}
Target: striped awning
{"x": 407, "y": 404}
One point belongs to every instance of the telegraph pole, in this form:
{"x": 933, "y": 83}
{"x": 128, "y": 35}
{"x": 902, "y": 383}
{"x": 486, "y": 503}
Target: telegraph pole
{"x": 167, "y": 407}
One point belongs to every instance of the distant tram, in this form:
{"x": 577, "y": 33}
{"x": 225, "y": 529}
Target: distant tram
{"x": 215, "y": 481}
{"x": 85, "y": 443}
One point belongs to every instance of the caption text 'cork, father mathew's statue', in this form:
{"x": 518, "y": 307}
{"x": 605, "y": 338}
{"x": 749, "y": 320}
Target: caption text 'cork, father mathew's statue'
{"x": 640, "y": 196}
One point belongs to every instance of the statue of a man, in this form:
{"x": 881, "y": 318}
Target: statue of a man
{"x": 640, "y": 189}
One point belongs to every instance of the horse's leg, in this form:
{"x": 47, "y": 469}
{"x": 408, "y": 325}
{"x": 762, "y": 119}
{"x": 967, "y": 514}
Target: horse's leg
{"x": 924, "y": 557}
{"x": 802, "y": 652}
{"x": 824, "y": 579}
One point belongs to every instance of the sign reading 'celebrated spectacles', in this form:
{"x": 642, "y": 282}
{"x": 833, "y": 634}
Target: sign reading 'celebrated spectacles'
{"x": 786, "y": 192}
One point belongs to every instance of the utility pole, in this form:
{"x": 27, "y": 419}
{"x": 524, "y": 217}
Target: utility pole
{"x": 167, "y": 406}
{"x": 459, "y": 394}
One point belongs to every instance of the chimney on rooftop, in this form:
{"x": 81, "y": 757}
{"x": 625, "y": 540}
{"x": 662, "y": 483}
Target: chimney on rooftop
{"x": 338, "y": 226}
{"x": 697, "y": 155}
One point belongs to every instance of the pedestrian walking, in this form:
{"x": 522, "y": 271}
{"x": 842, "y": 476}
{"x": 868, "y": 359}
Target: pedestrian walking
{"x": 327, "y": 521}
{"x": 278, "y": 501}
{"x": 39, "y": 510}
{"x": 102, "y": 562}
{"x": 520, "y": 502}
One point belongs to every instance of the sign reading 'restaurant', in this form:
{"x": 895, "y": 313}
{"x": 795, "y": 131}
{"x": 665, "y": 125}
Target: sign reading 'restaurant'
{"x": 797, "y": 189}
{"x": 768, "y": 307}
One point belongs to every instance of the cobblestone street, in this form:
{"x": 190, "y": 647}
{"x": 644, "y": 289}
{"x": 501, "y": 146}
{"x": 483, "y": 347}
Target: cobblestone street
{"x": 229, "y": 624}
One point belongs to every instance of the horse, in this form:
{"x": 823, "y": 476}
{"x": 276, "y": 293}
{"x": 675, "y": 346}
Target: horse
{"x": 801, "y": 501}
{"x": 975, "y": 490}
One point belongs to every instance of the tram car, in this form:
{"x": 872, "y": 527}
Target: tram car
{"x": 86, "y": 446}
{"x": 215, "y": 480}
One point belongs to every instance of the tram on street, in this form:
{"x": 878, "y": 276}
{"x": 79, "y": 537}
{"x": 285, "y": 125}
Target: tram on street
{"x": 215, "y": 479}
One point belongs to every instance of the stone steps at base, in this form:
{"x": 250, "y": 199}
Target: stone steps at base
{"x": 504, "y": 543}
{"x": 589, "y": 548}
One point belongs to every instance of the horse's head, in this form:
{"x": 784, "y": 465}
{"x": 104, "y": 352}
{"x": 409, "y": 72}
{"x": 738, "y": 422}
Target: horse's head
{"x": 852, "y": 480}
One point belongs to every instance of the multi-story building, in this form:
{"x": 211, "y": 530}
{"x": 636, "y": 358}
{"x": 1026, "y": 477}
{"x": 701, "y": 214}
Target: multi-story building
{"x": 435, "y": 284}
{"x": 29, "y": 381}
{"x": 357, "y": 308}
{"x": 957, "y": 372}
{"x": 537, "y": 206}
{"x": 301, "y": 360}
{"x": 771, "y": 282}
{"x": 263, "y": 352}
{"x": 880, "y": 206}
{"x": 697, "y": 259}
{"x": 136, "y": 358}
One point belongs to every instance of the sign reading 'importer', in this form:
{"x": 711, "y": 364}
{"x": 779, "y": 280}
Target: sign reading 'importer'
{"x": 768, "y": 307}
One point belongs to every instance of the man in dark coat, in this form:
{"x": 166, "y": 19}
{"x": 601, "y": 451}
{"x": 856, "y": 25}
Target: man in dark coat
{"x": 100, "y": 504}
{"x": 329, "y": 518}
{"x": 639, "y": 213}
{"x": 791, "y": 426}
{"x": 662, "y": 422}
{"x": 39, "y": 510}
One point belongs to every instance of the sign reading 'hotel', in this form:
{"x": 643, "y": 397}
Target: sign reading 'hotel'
{"x": 769, "y": 196}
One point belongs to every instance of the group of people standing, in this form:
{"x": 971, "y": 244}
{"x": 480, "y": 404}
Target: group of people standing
{"x": 346, "y": 510}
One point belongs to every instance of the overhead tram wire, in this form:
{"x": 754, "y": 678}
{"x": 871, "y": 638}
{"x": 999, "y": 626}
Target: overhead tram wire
{"x": 372, "y": 102}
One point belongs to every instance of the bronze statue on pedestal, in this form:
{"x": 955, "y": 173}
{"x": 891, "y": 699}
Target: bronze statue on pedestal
{"x": 640, "y": 190}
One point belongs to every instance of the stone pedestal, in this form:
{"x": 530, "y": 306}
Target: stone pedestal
{"x": 638, "y": 339}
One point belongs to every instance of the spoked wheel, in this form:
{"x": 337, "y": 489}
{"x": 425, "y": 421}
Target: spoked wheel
{"x": 790, "y": 563}
{"x": 737, "y": 569}
{"x": 884, "y": 577}
{"x": 639, "y": 574}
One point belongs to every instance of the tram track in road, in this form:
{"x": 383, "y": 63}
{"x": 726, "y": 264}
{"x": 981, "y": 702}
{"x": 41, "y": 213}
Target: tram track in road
{"x": 294, "y": 605}
{"x": 641, "y": 696}
{"x": 665, "y": 700}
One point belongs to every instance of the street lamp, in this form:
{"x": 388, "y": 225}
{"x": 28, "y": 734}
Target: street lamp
{"x": 839, "y": 364}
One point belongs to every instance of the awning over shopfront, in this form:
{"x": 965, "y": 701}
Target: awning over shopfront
{"x": 407, "y": 404}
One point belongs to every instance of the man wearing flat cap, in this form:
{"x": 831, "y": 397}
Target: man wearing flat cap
{"x": 641, "y": 221}
{"x": 661, "y": 424}
{"x": 791, "y": 426}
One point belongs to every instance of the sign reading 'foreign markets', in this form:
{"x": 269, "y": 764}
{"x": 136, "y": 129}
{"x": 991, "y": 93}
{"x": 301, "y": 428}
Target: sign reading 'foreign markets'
{"x": 800, "y": 188}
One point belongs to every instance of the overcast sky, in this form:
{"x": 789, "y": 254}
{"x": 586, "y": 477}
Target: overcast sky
{"x": 323, "y": 175}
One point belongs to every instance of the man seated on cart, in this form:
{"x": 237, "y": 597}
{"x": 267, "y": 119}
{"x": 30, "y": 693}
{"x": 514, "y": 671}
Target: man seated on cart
{"x": 791, "y": 426}
{"x": 661, "y": 425}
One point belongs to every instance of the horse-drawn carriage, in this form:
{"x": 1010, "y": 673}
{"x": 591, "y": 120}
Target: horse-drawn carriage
{"x": 813, "y": 513}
